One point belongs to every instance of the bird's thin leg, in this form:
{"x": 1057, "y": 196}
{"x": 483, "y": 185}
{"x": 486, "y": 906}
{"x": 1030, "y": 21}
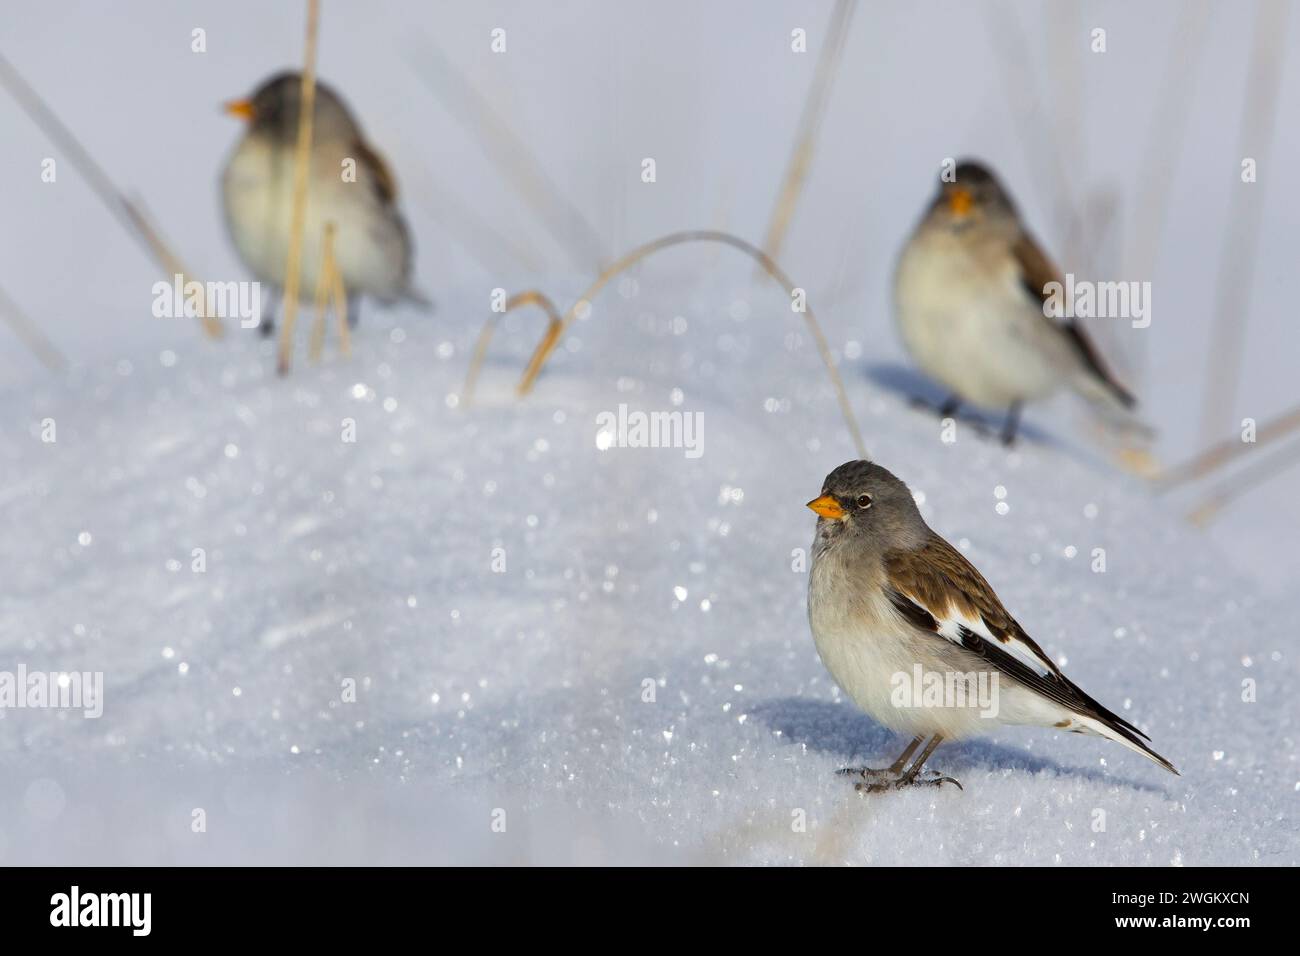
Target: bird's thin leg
{"x": 354, "y": 310}
{"x": 945, "y": 409}
{"x": 950, "y": 408}
{"x": 933, "y": 778}
{"x": 267, "y": 325}
{"x": 898, "y": 765}
{"x": 1011, "y": 425}
{"x": 895, "y": 778}
{"x": 894, "y": 769}
{"x": 925, "y": 755}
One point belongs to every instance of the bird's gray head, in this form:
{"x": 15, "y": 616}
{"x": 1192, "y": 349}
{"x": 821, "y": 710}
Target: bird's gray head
{"x": 862, "y": 501}
{"x": 274, "y": 106}
{"x": 975, "y": 195}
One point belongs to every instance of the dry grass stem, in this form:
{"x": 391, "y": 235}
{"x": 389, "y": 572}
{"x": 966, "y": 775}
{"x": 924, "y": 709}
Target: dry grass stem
{"x": 1230, "y": 449}
{"x": 128, "y": 213}
{"x": 324, "y": 289}
{"x": 1244, "y": 482}
{"x": 1164, "y": 144}
{"x": 809, "y": 126}
{"x": 523, "y": 171}
{"x": 1235, "y": 278}
{"x": 301, "y": 167}
{"x": 30, "y": 335}
{"x": 341, "y": 309}
{"x": 1038, "y": 130}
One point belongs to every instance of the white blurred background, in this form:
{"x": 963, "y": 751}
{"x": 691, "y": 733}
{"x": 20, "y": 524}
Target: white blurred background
{"x": 713, "y": 92}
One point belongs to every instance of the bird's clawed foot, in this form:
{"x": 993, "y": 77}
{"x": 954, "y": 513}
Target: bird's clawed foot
{"x": 1011, "y": 425}
{"x": 951, "y": 408}
{"x": 870, "y": 780}
{"x": 882, "y": 781}
{"x": 895, "y": 777}
{"x": 947, "y": 409}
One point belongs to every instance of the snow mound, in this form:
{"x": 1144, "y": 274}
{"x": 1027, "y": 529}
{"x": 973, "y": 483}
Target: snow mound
{"x": 472, "y": 635}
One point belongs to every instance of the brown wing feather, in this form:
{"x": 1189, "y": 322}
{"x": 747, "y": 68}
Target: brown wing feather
{"x": 1036, "y": 271}
{"x": 385, "y": 182}
{"x": 939, "y": 577}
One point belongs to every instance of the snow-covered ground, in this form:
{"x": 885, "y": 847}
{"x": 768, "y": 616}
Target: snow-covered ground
{"x": 520, "y": 686}
{"x": 401, "y": 644}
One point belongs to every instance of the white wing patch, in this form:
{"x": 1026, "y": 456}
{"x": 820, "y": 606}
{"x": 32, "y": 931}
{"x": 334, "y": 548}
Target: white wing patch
{"x": 951, "y": 622}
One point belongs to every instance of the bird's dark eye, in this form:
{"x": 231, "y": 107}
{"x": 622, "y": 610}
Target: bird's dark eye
{"x": 864, "y": 501}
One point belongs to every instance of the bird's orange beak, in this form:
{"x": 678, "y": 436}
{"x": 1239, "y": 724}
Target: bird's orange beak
{"x": 960, "y": 202}
{"x": 241, "y": 108}
{"x": 827, "y": 507}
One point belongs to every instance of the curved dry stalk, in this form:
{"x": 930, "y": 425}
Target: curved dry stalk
{"x": 531, "y": 297}
{"x": 301, "y": 166}
{"x": 1246, "y": 480}
{"x": 1228, "y": 449}
{"x": 547, "y": 346}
